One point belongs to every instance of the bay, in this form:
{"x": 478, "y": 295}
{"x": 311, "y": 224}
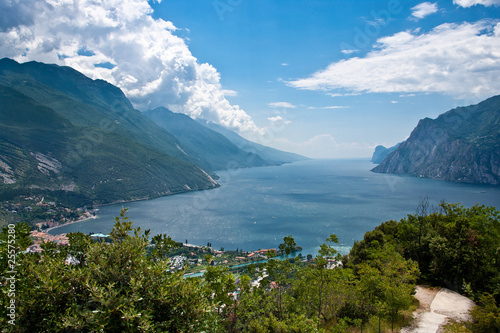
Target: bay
{"x": 255, "y": 208}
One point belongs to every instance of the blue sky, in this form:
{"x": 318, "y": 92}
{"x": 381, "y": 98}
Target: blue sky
{"x": 321, "y": 78}
{"x": 259, "y": 45}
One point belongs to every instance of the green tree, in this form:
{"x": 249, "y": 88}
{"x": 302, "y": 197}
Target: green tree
{"x": 288, "y": 245}
{"x": 256, "y": 312}
{"x": 79, "y": 244}
{"x": 387, "y": 281}
{"x": 320, "y": 277}
{"x": 323, "y": 294}
{"x": 119, "y": 288}
{"x": 466, "y": 247}
{"x": 486, "y": 315}
{"x": 219, "y": 285}
{"x": 162, "y": 245}
{"x": 18, "y": 237}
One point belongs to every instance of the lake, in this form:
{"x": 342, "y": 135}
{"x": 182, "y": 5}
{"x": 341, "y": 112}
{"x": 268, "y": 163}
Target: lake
{"x": 256, "y": 207}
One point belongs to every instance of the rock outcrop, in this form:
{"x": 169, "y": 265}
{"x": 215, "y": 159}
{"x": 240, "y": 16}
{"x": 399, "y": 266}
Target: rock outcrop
{"x": 381, "y": 153}
{"x": 461, "y": 145}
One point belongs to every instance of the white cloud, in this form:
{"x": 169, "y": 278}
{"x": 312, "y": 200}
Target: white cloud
{"x": 349, "y": 51}
{"x": 470, "y": 3}
{"x": 152, "y": 65}
{"x": 424, "y": 9}
{"x": 342, "y": 94}
{"x": 278, "y": 120}
{"x": 284, "y": 64}
{"x": 229, "y": 92}
{"x": 284, "y": 105}
{"x": 329, "y": 107}
{"x": 325, "y": 146}
{"x": 460, "y": 60}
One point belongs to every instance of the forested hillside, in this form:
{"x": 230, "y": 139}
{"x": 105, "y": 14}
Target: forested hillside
{"x": 214, "y": 151}
{"x": 80, "y": 141}
{"x": 126, "y": 286}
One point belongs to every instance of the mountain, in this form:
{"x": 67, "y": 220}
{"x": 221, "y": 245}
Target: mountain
{"x": 66, "y": 134}
{"x": 269, "y": 154}
{"x": 214, "y": 151}
{"x": 86, "y": 102}
{"x": 461, "y": 145}
{"x": 381, "y": 152}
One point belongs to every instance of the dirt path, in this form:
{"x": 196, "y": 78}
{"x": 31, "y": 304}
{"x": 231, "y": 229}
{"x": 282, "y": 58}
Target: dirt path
{"x": 436, "y": 307}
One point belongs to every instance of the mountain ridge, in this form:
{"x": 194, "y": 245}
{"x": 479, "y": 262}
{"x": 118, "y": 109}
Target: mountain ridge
{"x": 84, "y": 140}
{"x": 213, "y": 149}
{"x": 270, "y": 154}
{"x": 460, "y": 145}
{"x": 381, "y": 152}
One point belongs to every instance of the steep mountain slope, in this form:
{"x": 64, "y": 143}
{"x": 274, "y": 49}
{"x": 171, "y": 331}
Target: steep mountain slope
{"x": 269, "y": 154}
{"x": 65, "y": 133}
{"x": 87, "y": 102}
{"x": 215, "y": 151}
{"x": 381, "y": 152}
{"x": 461, "y": 145}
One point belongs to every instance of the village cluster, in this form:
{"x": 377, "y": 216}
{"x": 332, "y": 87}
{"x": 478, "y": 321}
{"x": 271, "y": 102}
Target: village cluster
{"x": 41, "y": 213}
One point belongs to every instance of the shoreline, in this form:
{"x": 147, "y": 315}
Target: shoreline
{"x": 148, "y": 198}
{"x": 124, "y": 202}
{"x": 151, "y": 198}
{"x": 68, "y": 223}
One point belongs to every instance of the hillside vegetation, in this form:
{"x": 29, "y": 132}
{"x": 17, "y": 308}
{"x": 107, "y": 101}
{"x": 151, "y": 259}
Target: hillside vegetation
{"x": 63, "y": 132}
{"x": 214, "y": 150}
{"x": 126, "y": 286}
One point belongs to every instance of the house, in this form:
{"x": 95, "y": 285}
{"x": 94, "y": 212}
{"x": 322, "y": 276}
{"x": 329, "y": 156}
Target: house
{"x": 264, "y": 251}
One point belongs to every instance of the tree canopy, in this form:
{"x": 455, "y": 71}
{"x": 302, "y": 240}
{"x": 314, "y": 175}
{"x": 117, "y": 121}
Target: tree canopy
{"x": 127, "y": 285}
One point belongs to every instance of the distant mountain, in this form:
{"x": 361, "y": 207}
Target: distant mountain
{"x": 214, "y": 151}
{"x": 381, "y": 152}
{"x": 461, "y": 145}
{"x": 269, "y": 154}
{"x": 64, "y": 133}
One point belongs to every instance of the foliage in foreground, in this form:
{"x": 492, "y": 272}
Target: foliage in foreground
{"x": 455, "y": 247}
{"x": 114, "y": 288}
{"x": 126, "y": 286}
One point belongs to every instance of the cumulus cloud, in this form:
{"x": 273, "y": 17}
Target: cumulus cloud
{"x": 119, "y": 41}
{"x": 460, "y": 60}
{"x": 284, "y": 105}
{"x": 470, "y": 3}
{"x": 12, "y": 16}
{"x": 424, "y": 9}
{"x": 325, "y": 146}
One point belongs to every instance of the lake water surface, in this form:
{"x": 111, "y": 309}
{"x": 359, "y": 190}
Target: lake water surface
{"x": 255, "y": 208}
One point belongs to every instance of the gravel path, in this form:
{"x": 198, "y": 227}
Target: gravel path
{"x": 436, "y": 307}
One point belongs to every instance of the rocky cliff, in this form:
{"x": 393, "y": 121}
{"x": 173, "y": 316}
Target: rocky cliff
{"x": 381, "y": 153}
{"x": 461, "y": 145}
